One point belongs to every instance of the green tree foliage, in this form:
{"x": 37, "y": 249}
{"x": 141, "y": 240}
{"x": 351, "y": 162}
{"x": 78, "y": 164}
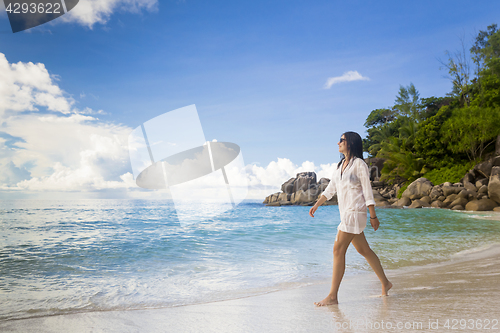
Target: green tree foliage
{"x": 393, "y": 140}
{"x": 431, "y": 105}
{"x": 379, "y": 117}
{"x": 488, "y": 91}
{"x": 458, "y": 66}
{"x": 486, "y": 47}
{"x": 452, "y": 173}
{"x": 407, "y": 102}
{"x": 428, "y": 142}
{"x": 442, "y": 136}
{"x": 486, "y": 55}
{"x": 378, "y": 134}
{"x": 408, "y": 132}
{"x": 400, "y": 164}
{"x": 471, "y": 130}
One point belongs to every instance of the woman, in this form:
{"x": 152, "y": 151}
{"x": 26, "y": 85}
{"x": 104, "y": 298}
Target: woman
{"x": 351, "y": 181}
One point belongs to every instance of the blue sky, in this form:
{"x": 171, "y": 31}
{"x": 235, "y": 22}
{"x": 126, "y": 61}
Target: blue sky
{"x": 255, "y": 70}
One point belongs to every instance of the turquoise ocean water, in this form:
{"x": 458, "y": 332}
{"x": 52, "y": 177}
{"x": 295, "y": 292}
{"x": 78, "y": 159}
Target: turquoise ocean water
{"x": 59, "y": 257}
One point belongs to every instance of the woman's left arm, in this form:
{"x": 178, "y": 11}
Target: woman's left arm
{"x": 373, "y": 217}
{"x": 364, "y": 178}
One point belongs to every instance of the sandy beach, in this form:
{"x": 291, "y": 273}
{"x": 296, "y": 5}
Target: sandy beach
{"x": 460, "y": 294}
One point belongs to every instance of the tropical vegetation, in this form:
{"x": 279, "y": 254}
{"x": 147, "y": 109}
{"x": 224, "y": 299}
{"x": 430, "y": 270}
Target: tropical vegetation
{"x": 440, "y": 138}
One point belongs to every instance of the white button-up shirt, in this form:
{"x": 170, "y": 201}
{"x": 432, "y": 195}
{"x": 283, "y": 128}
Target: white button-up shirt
{"x": 354, "y": 193}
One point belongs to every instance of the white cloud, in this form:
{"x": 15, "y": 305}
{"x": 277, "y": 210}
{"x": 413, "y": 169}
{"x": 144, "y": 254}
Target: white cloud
{"x": 263, "y": 181}
{"x": 26, "y": 86}
{"x": 10, "y": 173}
{"x": 62, "y": 150}
{"x": 67, "y": 153}
{"x": 90, "y": 12}
{"x": 70, "y": 153}
{"x": 346, "y": 77}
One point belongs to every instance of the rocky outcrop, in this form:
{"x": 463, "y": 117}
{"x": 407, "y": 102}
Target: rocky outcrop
{"x": 304, "y": 190}
{"x": 458, "y": 196}
{"x": 375, "y": 166}
{"x": 379, "y": 199}
{"x": 417, "y": 203}
{"x": 494, "y": 184}
{"x": 481, "y": 205}
{"x": 404, "y": 201}
{"x": 304, "y": 197}
{"x": 287, "y": 186}
{"x": 450, "y": 189}
{"x": 418, "y": 189}
{"x": 322, "y": 184}
{"x": 304, "y": 181}
{"x": 497, "y": 146}
{"x": 484, "y": 168}
{"x": 301, "y": 190}
{"x": 478, "y": 190}
{"x": 437, "y": 204}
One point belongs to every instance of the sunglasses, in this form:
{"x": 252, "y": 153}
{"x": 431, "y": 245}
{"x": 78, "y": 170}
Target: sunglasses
{"x": 341, "y": 140}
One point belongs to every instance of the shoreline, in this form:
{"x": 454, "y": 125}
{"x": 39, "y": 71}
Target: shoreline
{"x": 485, "y": 215}
{"x": 463, "y": 287}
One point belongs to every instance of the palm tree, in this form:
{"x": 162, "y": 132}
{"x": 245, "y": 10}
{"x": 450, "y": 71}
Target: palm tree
{"x": 408, "y": 132}
{"x": 400, "y": 163}
{"x": 380, "y": 134}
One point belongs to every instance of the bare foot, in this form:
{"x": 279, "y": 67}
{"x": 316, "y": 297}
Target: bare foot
{"x": 385, "y": 289}
{"x": 327, "y": 301}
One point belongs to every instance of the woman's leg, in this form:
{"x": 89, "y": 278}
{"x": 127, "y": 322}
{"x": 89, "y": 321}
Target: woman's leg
{"x": 340, "y": 246}
{"x": 361, "y": 245}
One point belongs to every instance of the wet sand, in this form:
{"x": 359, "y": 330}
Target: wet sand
{"x": 458, "y": 295}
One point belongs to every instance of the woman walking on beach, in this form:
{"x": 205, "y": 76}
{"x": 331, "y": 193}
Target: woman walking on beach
{"x": 351, "y": 181}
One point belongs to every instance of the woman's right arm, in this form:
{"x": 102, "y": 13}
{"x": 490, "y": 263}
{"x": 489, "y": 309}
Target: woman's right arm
{"x": 316, "y": 205}
{"x": 328, "y": 193}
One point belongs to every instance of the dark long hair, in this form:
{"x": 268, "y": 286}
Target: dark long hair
{"x": 354, "y": 146}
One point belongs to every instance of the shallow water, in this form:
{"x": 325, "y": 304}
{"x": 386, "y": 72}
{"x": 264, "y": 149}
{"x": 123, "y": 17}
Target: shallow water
{"x": 90, "y": 255}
